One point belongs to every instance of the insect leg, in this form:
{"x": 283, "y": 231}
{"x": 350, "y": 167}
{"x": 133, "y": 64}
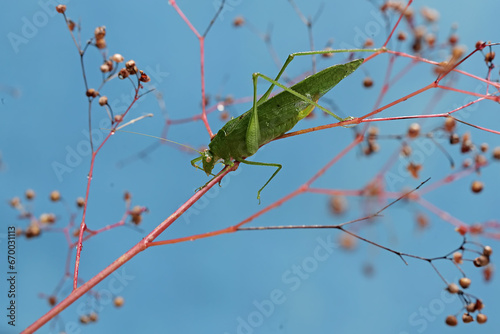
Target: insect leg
{"x": 278, "y": 166}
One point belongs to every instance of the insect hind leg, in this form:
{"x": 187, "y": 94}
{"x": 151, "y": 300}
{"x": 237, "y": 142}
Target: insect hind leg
{"x": 254, "y": 163}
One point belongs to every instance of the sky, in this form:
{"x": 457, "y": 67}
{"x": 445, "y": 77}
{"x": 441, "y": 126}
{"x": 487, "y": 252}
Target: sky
{"x": 246, "y": 282}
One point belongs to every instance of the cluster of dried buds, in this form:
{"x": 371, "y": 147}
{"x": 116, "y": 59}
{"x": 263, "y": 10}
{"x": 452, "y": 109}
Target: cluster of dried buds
{"x": 471, "y": 304}
{"x": 131, "y": 69}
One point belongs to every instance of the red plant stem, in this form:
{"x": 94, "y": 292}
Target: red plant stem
{"x": 397, "y": 23}
{"x": 139, "y": 247}
{"x": 83, "y": 225}
{"x": 202, "y": 63}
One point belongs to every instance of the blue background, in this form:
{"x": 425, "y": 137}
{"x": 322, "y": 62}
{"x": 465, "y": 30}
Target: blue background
{"x": 206, "y": 286}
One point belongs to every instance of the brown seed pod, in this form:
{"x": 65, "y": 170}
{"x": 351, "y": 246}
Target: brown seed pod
{"x": 451, "y": 320}
{"x": 144, "y": 77}
{"x": 496, "y": 153}
{"x": 71, "y": 25}
{"x": 466, "y": 318}
{"x": 464, "y": 282}
{"x": 487, "y": 251}
{"x": 368, "y": 43}
{"x": 118, "y": 118}
{"x": 481, "y": 261}
{"x": 489, "y": 57}
{"x": 401, "y": 36}
{"x": 477, "y": 187}
{"x": 91, "y": 92}
{"x": 471, "y": 307}
{"x": 47, "y": 218}
{"x": 84, "y": 319}
{"x": 481, "y": 318}
{"x": 55, "y": 196}
{"x": 449, "y": 124}
{"x": 338, "y": 205}
{"x": 238, "y": 21}
{"x": 123, "y": 73}
{"x": 52, "y": 300}
{"x": 488, "y": 273}
{"x": 60, "y": 9}
{"x": 80, "y": 202}
{"x": 29, "y": 194}
{"x": 367, "y": 82}
{"x": 119, "y": 301}
{"x": 458, "y": 258}
{"x": 100, "y": 43}
{"x": 32, "y": 231}
{"x": 414, "y": 130}
{"x": 100, "y": 32}
{"x": 103, "y": 100}
{"x": 453, "y": 39}
{"x": 453, "y": 288}
{"x": 480, "y": 45}
{"x": 484, "y": 147}
{"x": 93, "y": 317}
{"x": 117, "y": 58}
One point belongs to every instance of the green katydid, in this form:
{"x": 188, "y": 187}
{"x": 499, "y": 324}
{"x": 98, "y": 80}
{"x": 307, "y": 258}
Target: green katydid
{"x": 270, "y": 118}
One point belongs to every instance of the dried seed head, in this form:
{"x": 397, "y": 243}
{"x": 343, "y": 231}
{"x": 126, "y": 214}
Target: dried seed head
{"x": 451, "y": 320}
{"x": 496, "y": 153}
{"x": 100, "y": 32}
{"x": 29, "y": 194}
{"x": 471, "y": 307}
{"x": 466, "y": 318}
{"x": 32, "y": 231}
{"x": 488, "y": 273}
{"x": 338, "y": 204}
{"x": 238, "y": 21}
{"x": 100, "y": 43}
{"x": 484, "y": 147}
{"x": 449, "y": 124}
{"x": 127, "y": 196}
{"x": 458, "y": 258}
{"x": 55, "y": 196}
{"x": 52, "y": 300}
{"x": 480, "y": 160}
{"x": 422, "y": 221}
{"x": 453, "y": 39}
{"x": 103, "y": 100}
{"x": 481, "y": 261}
{"x": 481, "y": 318}
{"x": 117, "y": 58}
{"x": 105, "y": 68}
{"x": 414, "y": 169}
{"x": 123, "y": 73}
{"x": 401, "y": 36}
{"x": 118, "y": 118}
{"x": 47, "y": 218}
{"x": 477, "y": 187}
{"x": 414, "y": 130}
{"x": 136, "y": 214}
{"x": 15, "y": 202}
{"x": 489, "y": 57}
{"x": 368, "y": 43}
{"x": 61, "y": 8}
{"x": 347, "y": 242}
{"x": 429, "y": 14}
{"x": 480, "y": 45}
{"x": 457, "y": 52}
{"x": 84, "y": 319}
{"x": 118, "y": 301}
{"x": 464, "y": 282}
{"x": 71, "y": 25}
{"x": 479, "y": 305}
{"x": 453, "y": 288}
{"x": 224, "y": 115}
{"x": 80, "y": 202}
{"x": 367, "y": 82}
{"x": 462, "y": 229}
{"x": 130, "y": 66}
{"x": 91, "y": 92}
{"x": 430, "y": 39}
{"x": 467, "y": 163}
{"x": 487, "y": 251}
{"x": 144, "y": 77}
{"x": 93, "y": 317}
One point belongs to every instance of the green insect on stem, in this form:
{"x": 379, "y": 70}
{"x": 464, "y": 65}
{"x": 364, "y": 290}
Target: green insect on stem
{"x": 270, "y": 118}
